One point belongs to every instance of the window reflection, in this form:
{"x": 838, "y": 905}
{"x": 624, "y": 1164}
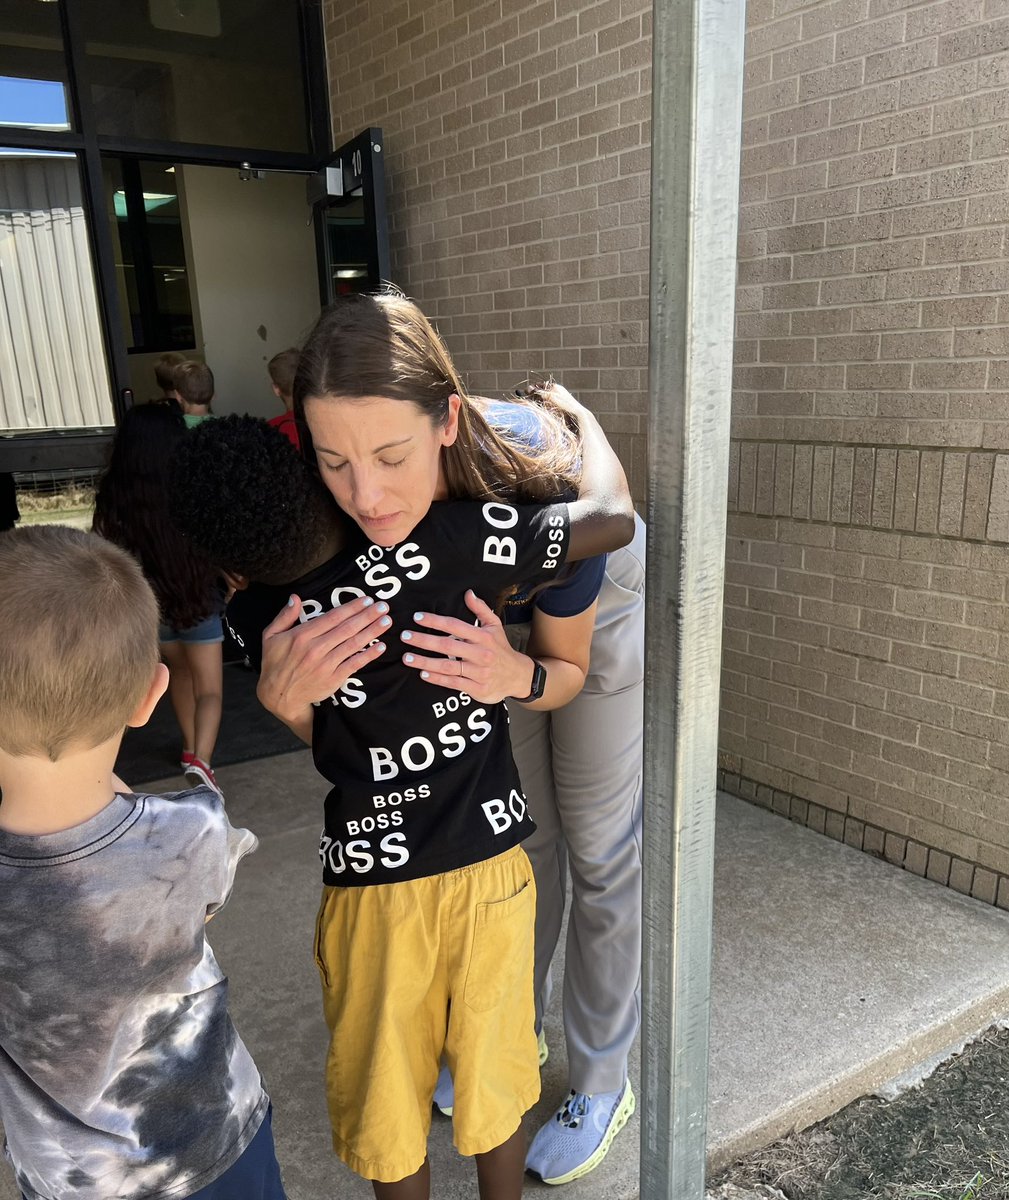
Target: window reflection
{"x": 33, "y": 74}
{"x": 348, "y": 245}
{"x": 142, "y": 203}
{"x": 216, "y": 72}
{"x": 33, "y": 103}
{"x": 52, "y": 358}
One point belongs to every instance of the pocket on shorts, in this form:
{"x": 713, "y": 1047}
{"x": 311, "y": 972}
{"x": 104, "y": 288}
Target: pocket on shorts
{"x": 501, "y": 956}
{"x": 317, "y": 943}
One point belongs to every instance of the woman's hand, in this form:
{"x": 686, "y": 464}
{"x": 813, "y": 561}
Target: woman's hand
{"x": 485, "y": 666}
{"x": 304, "y": 663}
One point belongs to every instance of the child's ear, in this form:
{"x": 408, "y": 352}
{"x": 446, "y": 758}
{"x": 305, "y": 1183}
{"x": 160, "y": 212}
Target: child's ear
{"x": 236, "y": 583}
{"x": 142, "y": 713}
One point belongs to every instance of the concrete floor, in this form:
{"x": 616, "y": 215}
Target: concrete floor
{"x": 833, "y": 972}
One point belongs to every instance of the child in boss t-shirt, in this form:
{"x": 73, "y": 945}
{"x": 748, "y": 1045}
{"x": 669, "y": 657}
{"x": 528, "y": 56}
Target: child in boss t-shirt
{"x": 424, "y": 938}
{"x": 121, "y": 1074}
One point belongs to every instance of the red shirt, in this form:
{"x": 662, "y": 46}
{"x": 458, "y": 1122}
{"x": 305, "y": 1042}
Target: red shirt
{"x": 288, "y": 426}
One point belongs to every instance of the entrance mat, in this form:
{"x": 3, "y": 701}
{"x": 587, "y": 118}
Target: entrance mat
{"x": 247, "y": 731}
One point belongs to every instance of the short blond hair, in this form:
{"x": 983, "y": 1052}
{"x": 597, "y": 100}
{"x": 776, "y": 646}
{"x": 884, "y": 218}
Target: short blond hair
{"x": 194, "y": 382}
{"x": 78, "y": 640}
{"x": 164, "y": 370}
{"x": 282, "y": 369}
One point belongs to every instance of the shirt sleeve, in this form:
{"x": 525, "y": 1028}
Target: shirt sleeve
{"x": 224, "y": 847}
{"x": 496, "y": 545}
{"x": 576, "y": 593}
{"x": 246, "y": 617}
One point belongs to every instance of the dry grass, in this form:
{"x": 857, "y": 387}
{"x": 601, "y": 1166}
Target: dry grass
{"x": 69, "y": 499}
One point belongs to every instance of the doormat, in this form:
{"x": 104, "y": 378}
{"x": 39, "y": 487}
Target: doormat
{"x": 247, "y": 731}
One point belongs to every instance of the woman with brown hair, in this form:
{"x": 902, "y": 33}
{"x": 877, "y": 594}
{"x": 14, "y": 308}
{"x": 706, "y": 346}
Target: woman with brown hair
{"x": 571, "y": 665}
{"x": 393, "y": 433}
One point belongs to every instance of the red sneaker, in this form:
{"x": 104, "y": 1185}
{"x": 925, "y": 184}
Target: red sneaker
{"x": 198, "y": 772}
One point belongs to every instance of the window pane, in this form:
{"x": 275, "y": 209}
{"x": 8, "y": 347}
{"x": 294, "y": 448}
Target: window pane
{"x": 348, "y": 245}
{"x": 33, "y": 73}
{"x": 173, "y": 310}
{"x": 142, "y": 204}
{"x": 53, "y": 373}
{"x": 217, "y": 72}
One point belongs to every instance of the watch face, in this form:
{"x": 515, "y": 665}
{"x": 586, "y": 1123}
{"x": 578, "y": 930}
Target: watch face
{"x": 539, "y": 682}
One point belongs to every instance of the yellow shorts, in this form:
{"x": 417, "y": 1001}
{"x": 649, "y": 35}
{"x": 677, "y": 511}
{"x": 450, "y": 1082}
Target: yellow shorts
{"x": 415, "y": 971}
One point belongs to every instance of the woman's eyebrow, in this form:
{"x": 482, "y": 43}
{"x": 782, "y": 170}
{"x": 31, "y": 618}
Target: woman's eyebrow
{"x": 377, "y": 450}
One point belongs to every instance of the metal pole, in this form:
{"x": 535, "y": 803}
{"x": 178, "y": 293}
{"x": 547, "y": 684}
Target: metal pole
{"x": 696, "y": 106}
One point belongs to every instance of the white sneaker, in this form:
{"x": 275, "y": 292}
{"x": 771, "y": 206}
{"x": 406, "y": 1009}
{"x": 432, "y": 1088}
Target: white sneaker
{"x": 577, "y": 1137}
{"x": 444, "y": 1092}
{"x": 444, "y": 1089}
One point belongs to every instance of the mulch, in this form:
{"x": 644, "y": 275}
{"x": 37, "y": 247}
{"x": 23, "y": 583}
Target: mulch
{"x": 947, "y": 1139}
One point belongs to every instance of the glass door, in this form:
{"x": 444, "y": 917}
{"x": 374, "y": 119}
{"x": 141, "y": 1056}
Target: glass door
{"x": 99, "y": 102}
{"x": 350, "y": 191}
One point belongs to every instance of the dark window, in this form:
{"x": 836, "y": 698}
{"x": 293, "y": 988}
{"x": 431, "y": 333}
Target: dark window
{"x": 214, "y": 72}
{"x": 142, "y": 202}
{"x": 348, "y": 244}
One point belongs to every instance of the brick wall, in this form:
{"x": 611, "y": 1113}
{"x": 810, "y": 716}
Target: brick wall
{"x": 517, "y": 165}
{"x": 867, "y": 620}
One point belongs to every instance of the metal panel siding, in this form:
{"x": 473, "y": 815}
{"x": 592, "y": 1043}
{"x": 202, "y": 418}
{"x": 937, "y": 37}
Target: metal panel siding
{"x": 53, "y": 373}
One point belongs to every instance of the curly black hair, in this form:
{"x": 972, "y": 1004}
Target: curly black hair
{"x": 240, "y": 492}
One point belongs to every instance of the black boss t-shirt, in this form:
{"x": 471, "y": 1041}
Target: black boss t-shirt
{"x": 423, "y": 778}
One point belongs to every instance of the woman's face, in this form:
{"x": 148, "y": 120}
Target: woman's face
{"x": 381, "y": 460}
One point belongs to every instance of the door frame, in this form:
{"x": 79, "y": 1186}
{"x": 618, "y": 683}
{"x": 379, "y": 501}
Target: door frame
{"x": 87, "y": 447}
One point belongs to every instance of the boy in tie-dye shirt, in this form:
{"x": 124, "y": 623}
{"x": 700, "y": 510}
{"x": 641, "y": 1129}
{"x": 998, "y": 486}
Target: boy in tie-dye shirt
{"x": 121, "y": 1074}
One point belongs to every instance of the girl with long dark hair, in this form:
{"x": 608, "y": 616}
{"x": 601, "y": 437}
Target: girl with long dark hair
{"x": 131, "y": 509}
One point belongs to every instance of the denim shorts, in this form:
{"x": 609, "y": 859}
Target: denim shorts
{"x": 255, "y": 1176}
{"x": 208, "y": 630}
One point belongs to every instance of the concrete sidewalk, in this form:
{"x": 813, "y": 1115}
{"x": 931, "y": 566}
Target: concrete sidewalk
{"x": 833, "y": 972}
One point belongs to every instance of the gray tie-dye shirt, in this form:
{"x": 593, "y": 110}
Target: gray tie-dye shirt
{"x": 121, "y": 1074}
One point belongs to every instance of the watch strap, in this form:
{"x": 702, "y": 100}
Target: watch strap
{"x": 539, "y": 684}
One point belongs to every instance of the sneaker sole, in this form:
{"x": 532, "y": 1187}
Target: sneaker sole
{"x": 445, "y": 1112}
{"x": 197, "y": 777}
{"x": 625, "y": 1110}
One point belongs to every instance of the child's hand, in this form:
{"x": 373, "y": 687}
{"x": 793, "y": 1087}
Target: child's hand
{"x": 551, "y": 393}
{"x": 482, "y": 663}
{"x": 306, "y": 662}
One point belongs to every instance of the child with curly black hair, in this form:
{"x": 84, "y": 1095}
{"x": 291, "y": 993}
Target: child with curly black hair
{"x": 425, "y": 814}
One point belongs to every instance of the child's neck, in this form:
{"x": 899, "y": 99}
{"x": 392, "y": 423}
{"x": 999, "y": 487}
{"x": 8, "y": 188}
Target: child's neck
{"x": 40, "y": 796}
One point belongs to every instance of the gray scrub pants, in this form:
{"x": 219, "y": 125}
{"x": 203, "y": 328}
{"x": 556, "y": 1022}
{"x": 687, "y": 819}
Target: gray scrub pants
{"x": 581, "y": 771}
